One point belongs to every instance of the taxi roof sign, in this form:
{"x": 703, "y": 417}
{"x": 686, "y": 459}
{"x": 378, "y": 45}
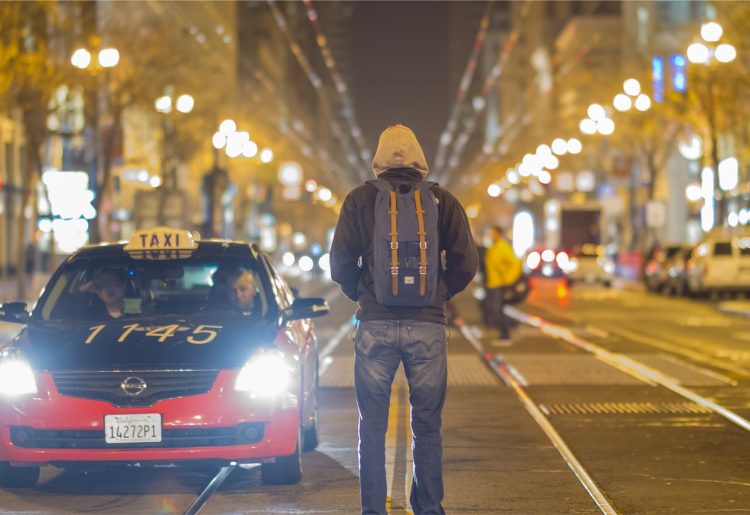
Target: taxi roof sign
{"x": 162, "y": 238}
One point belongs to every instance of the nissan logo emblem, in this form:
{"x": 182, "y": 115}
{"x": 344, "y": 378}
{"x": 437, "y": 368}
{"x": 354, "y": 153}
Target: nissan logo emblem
{"x": 133, "y": 386}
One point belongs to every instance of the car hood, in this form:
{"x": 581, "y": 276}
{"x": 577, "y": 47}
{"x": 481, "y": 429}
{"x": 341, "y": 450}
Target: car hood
{"x": 144, "y": 343}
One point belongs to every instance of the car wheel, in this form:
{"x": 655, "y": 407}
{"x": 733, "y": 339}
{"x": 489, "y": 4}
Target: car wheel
{"x": 18, "y": 477}
{"x": 286, "y": 470}
{"x": 310, "y": 433}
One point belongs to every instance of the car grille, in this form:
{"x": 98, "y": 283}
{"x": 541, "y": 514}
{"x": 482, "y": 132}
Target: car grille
{"x": 160, "y": 385}
{"x": 242, "y": 434}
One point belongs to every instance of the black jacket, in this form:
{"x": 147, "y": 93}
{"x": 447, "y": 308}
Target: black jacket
{"x": 351, "y": 251}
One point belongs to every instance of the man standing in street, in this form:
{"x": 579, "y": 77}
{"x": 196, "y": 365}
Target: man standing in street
{"x": 402, "y": 247}
{"x": 503, "y": 271}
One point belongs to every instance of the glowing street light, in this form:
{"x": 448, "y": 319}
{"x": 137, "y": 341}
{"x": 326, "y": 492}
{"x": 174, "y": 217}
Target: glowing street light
{"x": 109, "y": 57}
{"x": 219, "y": 141}
{"x": 81, "y": 58}
{"x": 574, "y": 146}
{"x": 266, "y": 155}
{"x": 622, "y": 102}
{"x": 596, "y": 112}
{"x": 632, "y": 87}
{"x": 311, "y": 185}
{"x": 249, "y": 149}
{"x": 698, "y": 53}
{"x": 163, "y": 104}
{"x": 711, "y": 31}
{"x": 559, "y": 146}
{"x": 605, "y": 126}
{"x": 587, "y": 126}
{"x": 227, "y": 127}
{"x": 494, "y": 190}
{"x": 185, "y": 103}
{"x": 643, "y": 102}
{"x": 725, "y": 53}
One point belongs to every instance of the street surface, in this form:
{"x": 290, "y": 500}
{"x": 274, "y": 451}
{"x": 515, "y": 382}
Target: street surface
{"x": 645, "y": 394}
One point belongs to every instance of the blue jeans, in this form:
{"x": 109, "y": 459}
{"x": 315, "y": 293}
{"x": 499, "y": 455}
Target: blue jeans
{"x": 379, "y": 348}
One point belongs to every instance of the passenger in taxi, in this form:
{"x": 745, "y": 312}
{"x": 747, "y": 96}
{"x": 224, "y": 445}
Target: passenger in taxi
{"x": 238, "y": 288}
{"x": 109, "y": 286}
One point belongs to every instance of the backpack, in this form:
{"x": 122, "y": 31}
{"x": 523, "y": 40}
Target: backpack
{"x": 405, "y": 244}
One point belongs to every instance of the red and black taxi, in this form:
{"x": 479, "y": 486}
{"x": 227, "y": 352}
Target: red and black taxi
{"x": 161, "y": 350}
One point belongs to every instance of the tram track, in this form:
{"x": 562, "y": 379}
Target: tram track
{"x": 510, "y": 378}
{"x": 541, "y": 413}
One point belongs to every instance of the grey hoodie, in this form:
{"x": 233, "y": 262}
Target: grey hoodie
{"x": 398, "y": 148}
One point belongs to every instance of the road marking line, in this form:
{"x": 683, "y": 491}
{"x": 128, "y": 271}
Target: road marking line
{"x": 599, "y": 333}
{"x": 588, "y": 483}
{"x": 659, "y": 344}
{"x": 633, "y": 367}
{"x": 705, "y": 371}
{"x": 390, "y": 445}
{"x": 406, "y": 442}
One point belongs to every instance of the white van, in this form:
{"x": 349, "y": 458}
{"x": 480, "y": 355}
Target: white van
{"x": 720, "y": 265}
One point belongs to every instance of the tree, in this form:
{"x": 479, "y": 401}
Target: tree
{"x": 29, "y": 75}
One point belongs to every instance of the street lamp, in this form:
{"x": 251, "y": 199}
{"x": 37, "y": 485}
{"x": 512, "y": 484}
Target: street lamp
{"x": 165, "y": 104}
{"x": 106, "y": 58}
{"x": 632, "y": 97}
{"x": 94, "y": 61}
{"x": 705, "y": 52}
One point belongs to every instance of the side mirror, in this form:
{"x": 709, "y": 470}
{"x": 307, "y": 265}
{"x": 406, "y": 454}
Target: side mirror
{"x": 14, "y": 312}
{"x": 306, "y": 308}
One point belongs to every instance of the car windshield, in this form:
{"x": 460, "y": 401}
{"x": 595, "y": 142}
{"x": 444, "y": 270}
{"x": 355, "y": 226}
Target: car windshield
{"x": 108, "y": 288}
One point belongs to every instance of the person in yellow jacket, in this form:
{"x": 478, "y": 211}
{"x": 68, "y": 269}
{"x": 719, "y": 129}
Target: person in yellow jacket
{"x": 503, "y": 270}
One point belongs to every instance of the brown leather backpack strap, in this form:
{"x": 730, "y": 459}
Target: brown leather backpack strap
{"x": 394, "y": 244}
{"x": 422, "y": 244}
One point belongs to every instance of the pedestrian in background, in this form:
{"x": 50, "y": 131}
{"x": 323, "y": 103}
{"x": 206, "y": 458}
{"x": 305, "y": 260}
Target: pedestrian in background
{"x": 390, "y": 226}
{"x": 504, "y": 269}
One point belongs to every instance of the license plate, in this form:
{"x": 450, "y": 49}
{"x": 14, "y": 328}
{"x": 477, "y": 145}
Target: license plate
{"x": 133, "y": 428}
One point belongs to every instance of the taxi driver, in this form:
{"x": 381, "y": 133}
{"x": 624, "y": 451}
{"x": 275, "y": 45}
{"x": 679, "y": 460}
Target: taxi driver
{"x": 109, "y": 286}
{"x": 241, "y": 290}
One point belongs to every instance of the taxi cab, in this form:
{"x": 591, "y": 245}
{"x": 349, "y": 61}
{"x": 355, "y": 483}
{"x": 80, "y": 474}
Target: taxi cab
{"x": 161, "y": 350}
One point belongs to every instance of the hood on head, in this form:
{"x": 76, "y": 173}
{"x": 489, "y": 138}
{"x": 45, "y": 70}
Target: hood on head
{"x": 398, "y": 148}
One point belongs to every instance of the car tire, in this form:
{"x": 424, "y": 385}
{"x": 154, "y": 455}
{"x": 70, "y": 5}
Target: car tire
{"x": 286, "y": 470}
{"x": 310, "y": 433}
{"x": 18, "y": 477}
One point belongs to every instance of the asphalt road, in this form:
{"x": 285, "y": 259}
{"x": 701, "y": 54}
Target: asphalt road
{"x": 645, "y": 448}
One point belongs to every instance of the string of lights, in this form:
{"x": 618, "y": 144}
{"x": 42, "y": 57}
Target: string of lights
{"x": 341, "y": 88}
{"x": 316, "y": 82}
{"x": 323, "y": 159}
{"x": 520, "y": 119}
{"x": 447, "y": 136}
{"x": 480, "y": 105}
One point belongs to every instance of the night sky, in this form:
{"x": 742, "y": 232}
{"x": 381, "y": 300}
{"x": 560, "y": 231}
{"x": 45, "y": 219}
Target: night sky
{"x": 401, "y": 69}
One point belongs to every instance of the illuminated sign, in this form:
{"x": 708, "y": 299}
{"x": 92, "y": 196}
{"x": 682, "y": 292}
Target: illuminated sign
{"x": 657, "y": 73}
{"x": 677, "y": 72}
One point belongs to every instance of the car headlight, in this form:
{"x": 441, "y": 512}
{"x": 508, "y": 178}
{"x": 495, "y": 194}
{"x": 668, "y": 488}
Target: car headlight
{"x": 16, "y": 378}
{"x": 267, "y": 374}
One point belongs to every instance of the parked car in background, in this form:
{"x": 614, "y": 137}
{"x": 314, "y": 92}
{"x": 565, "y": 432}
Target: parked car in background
{"x": 655, "y": 271}
{"x": 676, "y": 267}
{"x": 590, "y": 264}
{"x": 719, "y": 265}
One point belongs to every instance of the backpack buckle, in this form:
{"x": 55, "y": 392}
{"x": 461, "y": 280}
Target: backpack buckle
{"x": 394, "y": 245}
{"x": 423, "y": 245}
{"x": 394, "y": 270}
{"x": 422, "y": 270}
